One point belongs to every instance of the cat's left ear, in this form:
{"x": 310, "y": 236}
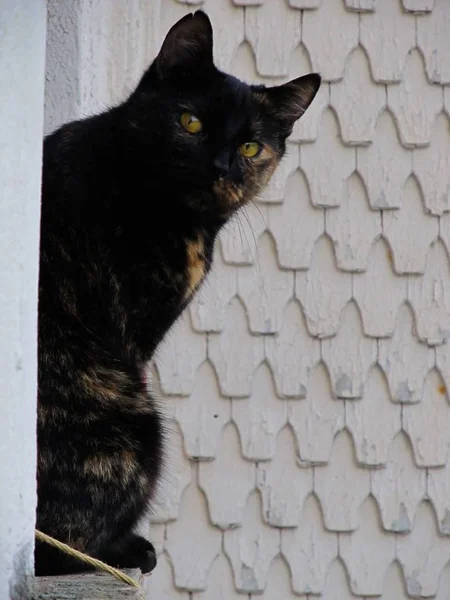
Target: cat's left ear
{"x": 288, "y": 102}
{"x": 187, "y": 47}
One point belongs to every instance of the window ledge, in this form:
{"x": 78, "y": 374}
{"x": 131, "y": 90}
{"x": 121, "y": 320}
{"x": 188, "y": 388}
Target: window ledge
{"x": 87, "y": 586}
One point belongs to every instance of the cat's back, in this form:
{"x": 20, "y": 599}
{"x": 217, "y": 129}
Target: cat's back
{"x": 81, "y": 171}
{"x": 79, "y": 158}
{"x": 98, "y": 427}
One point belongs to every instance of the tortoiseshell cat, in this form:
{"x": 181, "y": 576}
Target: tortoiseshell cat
{"x": 132, "y": 202}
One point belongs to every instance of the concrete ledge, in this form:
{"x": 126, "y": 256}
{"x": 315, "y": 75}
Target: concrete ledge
{"x": 87, "y": 586}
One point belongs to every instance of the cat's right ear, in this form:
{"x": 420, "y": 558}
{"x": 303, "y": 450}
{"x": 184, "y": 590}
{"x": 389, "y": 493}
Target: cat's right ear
{"x": 188, "y": 47}
{"x": 288, "y": 102}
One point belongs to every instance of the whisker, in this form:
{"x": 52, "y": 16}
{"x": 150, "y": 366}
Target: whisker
{"x": 256, "y": 259}
{"x": 244, "y": 212}
{"x": 258, "y": 208}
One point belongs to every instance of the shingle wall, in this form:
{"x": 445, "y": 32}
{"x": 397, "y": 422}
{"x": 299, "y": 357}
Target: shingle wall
{"x": 306, "y": 387}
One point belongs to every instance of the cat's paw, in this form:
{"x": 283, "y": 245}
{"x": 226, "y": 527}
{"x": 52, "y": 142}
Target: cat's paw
{"x": 146, "y": 557}
{"x": 139, "y": 553}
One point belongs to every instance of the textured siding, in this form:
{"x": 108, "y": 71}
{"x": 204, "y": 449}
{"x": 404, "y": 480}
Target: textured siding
{"x": 307, "y": 386}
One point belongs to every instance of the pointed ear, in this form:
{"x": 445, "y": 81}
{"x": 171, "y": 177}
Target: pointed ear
{"x": 188, "y": 46}
{"x": 288, "y": 102}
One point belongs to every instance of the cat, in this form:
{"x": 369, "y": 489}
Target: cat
{"x": 132, "y": 201}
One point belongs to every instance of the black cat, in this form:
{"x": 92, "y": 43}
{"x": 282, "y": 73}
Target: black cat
{"x": 132, "y": 202}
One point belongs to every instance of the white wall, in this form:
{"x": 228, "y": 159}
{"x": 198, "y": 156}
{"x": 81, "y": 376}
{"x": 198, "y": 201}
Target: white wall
{"x": 22, "y": 55}
{"x": 308, "y": 383}
{"x": 95, "y": 52}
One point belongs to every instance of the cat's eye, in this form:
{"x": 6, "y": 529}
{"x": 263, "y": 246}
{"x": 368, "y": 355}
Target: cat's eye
{"x": 191, "y": 123}
{"x": 250, "y": 149}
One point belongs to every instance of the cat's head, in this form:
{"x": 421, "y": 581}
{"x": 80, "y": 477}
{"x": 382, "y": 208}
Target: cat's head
{"x": 216, "y": 136}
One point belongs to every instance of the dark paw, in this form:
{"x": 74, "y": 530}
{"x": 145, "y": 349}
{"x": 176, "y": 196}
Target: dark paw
{"x": 148, "y": 560}
{"x": 145, "y": 555}
{"x": 135, "y": 553}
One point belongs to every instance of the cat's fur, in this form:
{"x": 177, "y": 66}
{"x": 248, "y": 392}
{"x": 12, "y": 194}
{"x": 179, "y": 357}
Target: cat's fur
{"x": 131, "y": 206}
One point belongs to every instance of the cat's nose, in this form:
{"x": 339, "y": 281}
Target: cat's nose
{"x": 221, "y": 164}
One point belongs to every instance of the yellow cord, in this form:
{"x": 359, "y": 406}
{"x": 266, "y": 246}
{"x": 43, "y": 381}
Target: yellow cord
{"x": 98, "y": 564}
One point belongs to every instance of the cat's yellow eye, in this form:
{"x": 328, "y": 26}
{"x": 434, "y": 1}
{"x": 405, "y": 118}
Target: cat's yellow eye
{"x": 191, "y": 123}
{"x": 250, "y": 149}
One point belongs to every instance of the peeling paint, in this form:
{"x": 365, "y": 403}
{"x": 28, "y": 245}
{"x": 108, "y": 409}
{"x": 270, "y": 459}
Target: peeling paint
{"x": 414, "y": 586}
{"x": 445, "y": 522}
{"x": 404, "y": 392}
{"x": 402, "y": 524}
{"x": 248, "y": 579}
{"x": 343, "y": 384}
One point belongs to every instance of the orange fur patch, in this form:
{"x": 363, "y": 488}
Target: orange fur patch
{"x": 195, "y": 271}
{"x": 229, "y": 195}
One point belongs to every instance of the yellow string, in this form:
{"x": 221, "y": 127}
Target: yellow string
{"x": 98, "y": 564}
